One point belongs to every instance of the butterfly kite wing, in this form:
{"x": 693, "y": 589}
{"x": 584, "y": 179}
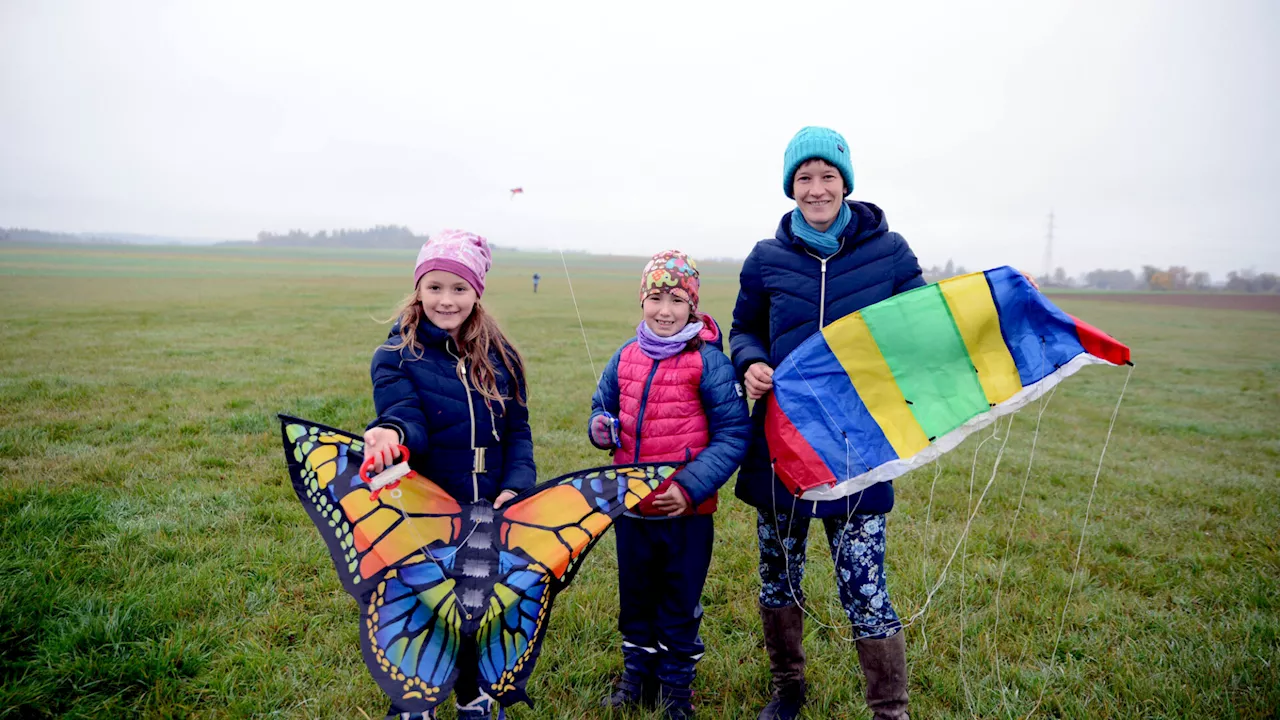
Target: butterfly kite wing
{"x": 384, "y": 552}
{"x": 897, "y": 384}
{"x": 364, "y": 536}
{"x": 543, "y": 538}
{"x": 411, "y": 633}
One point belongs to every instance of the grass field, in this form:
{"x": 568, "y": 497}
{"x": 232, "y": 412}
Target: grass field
{"x": 156, "y": 562}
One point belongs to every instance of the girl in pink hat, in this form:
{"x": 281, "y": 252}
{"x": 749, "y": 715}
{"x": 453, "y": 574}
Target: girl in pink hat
{"x": 450, "y": 387}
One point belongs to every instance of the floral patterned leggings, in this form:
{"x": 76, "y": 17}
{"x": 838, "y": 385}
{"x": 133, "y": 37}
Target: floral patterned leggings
{"x": 857, "y": 546}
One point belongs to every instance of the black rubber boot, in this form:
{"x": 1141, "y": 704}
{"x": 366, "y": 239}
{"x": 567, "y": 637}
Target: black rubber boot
{"x": 677, "y": 702}
{"x": 638, "y": 686}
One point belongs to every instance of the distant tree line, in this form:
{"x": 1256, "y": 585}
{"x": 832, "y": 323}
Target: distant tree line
{"x": 935, "y": 273}
{"x": 40, "y": 236}
{"x": 379, "y": 236}
{"x": 1179, "y": 279}
{"x": 1176, "y": 278}
{"x": 1251, "y": 282}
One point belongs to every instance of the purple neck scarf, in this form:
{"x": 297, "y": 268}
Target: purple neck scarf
{"x": 661, "y": 348}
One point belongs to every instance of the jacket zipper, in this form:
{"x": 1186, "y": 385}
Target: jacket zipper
{"x": 644, "y": 402}
{"x": 822, "y": 297}
{"x": 822, "y": 291}
{"x": 822, "y": 318}
{"x": 471, "y": 410}
{"x": 822, "y": 306}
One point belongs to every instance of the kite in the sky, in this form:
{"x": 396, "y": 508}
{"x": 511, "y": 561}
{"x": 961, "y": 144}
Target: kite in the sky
{"x": 431, "y": 574}
{"x": 897, "y": 384}
{"x": 516, "y": 191}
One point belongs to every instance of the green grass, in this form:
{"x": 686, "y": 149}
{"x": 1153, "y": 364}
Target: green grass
{"x": 156, "y": 562}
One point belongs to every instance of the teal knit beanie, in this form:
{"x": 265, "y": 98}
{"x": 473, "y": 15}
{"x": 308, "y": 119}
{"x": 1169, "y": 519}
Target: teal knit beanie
{"x": 816, "y": 142}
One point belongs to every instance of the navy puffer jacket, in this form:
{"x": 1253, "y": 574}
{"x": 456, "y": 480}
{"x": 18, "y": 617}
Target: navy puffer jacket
{"x": 441, "y": 418}
{"x": 787, "y": 293}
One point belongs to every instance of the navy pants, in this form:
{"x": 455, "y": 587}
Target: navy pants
{"x": 857, "y": 547}
{"x": 662, "y": 566}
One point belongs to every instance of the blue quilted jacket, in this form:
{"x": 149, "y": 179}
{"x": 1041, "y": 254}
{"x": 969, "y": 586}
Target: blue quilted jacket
{"x": 470, "y": 448}
{"x": 787, "y": 293}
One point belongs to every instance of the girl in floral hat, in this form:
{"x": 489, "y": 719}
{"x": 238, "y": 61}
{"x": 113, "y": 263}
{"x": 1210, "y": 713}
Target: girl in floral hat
{"x": 450, "y": 388}
{"x": 668, "y": 395}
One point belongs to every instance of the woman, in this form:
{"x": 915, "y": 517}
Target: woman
{"x": 829, "y": 257}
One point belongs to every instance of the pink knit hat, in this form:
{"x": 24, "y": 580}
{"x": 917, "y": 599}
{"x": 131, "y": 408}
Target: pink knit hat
{"x": 457, "y": 251}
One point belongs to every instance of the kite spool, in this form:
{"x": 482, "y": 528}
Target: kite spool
{"x": 389, "y": 477}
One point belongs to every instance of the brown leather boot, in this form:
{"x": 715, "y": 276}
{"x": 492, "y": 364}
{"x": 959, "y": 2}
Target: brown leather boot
{"x": 784, "y": 640}
{"x": 884, "y": 663}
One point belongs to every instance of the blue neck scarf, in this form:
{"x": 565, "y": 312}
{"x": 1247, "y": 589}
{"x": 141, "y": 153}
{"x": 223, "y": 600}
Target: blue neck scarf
{"x": 661, "y": 348}
{"x": 824, "y": 243}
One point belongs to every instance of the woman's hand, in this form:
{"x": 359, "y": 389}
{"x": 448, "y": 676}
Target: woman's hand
{"x": 504, "y": 497}
{"x": 380, "y": 443}
{"x": 759, "y": 380}
{"x": 672, "y": 501}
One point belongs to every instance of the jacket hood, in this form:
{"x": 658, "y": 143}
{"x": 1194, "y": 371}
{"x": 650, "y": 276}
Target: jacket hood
{"x": 711, "y": 331}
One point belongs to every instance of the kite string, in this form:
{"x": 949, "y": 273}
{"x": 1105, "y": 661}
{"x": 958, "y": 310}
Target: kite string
{"x": 422, "y": 541}
{"x": 786, "y": 559}
{"x": 1084, "y": 529}
{"x": 578, "y": 312}
{"x": 1004, "y": 562}
{"x": 903, "y": 625}
{"x": 964, "y": 533}
{"x": 964, "y": 556}
{"x": 962, "y": 541}
{"x": 941, "y": 578}
{"x": 928, "y": 542}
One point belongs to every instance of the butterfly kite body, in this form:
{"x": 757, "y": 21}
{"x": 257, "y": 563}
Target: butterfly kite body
{"x": 897, "y": 384}
{"x": 439, "y": 582}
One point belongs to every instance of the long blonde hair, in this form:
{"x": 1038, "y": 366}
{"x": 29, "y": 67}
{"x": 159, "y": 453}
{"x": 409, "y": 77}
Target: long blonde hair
{"x": 477, "y": 338}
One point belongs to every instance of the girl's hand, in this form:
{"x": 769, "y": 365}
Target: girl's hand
{"x": 504, "y": 497}
{"x": 672, "y": 502}
{"x": 759, "y": 380}
{"x": 601, "y": 432}
{"x": 380, "y": 444}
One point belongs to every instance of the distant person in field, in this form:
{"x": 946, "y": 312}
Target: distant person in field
{"x": 536, "y": 278}
{"x": 450, "y": 388}
{"x": 669, "y": 394}
{"x": 828, "y": 258}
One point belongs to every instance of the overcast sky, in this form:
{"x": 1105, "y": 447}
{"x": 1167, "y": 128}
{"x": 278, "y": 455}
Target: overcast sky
{"x": 1148, "y": 128}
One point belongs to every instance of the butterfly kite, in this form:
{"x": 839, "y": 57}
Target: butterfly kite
{"x": 897, "y": 384}
{"x": 516, "y": 191}
{"x": 434, "y": 576}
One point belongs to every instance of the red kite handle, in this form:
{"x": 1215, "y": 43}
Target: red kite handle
{"x": 402, "y": 453}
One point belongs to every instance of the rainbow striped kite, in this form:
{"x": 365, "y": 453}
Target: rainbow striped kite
{"x": 897, "y": 384}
